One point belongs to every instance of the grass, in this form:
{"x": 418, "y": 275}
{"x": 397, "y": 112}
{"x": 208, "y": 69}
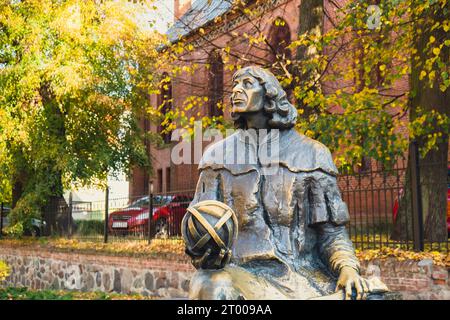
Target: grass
{"x": 89, "y": 227}
{"x": 12, "y": 293}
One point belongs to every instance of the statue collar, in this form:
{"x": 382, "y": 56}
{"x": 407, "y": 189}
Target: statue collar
{"x": 245, "y": 151}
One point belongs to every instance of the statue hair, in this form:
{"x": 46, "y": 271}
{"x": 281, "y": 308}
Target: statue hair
{"x": 283, "y": 115}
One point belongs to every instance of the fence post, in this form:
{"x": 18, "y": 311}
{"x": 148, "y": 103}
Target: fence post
{"x": 105, "y": 231}
{"x": 70, "y": 215}
{"x": 416, "y": 198}
{"x": 150, "y": 213}
{"x": 1, "y": 219}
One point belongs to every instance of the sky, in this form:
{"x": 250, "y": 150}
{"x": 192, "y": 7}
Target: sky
{"x": 163, "y": 15}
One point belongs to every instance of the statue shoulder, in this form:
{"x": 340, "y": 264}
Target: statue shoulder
{"x": 213, "y": 150}
{"x": 223, "y": 155}
{"x": 302, "y": 153}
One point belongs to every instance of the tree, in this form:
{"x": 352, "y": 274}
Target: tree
{"x": 75, "y": 77}
{"x": 345, "y": 79}
{"x": 429, "y": 113}
{"x": 340, "y": 103}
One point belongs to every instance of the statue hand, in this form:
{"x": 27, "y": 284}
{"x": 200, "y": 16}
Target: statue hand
{"x": 349, "y": 278}
{"x": 207, "y": 261}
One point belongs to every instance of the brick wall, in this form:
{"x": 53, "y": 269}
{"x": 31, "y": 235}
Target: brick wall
{"x": 413, "y": 279}
{"x": 169, "y": 277}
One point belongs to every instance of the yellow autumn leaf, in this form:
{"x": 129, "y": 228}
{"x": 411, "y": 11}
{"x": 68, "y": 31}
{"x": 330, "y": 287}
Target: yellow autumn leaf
{"x": 432, "y": 75}
{"x": 422, "y": 74}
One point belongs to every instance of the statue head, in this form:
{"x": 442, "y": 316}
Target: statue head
{"x": 257, "y": 90}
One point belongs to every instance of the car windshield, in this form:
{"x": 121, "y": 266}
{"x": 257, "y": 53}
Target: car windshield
{"x": 181, "y": 199}
{"x": 161, "y": 200}
{"x": 158, "y": 200}
{"x": 139, "y": 203}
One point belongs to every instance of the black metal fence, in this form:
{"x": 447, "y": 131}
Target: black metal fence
{"x": 383, "y": 212}
{"x": 386, "y": 208}
{"x": 119, "y": 219}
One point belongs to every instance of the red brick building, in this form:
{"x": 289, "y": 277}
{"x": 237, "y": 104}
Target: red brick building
{"x": 214, "y": 82}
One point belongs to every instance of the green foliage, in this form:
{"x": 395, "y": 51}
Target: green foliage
{"x": 15, "y": 230}
{"x": 364, "y": 114}
{"x": 72, "y": 80}
{"x": 23, "y": 293}
{"x": 12, "y": 293}
{"x": 27, "y": 208}
{"x": 89, "y": 227}
{"x": 352, "y": 88}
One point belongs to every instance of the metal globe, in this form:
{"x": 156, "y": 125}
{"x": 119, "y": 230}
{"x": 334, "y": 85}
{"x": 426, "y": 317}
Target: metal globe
{"x": 209, "y": 224}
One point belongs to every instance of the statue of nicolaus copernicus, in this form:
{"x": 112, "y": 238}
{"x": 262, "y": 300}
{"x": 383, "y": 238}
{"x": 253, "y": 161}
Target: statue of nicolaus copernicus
{"x": 292, "y": 241}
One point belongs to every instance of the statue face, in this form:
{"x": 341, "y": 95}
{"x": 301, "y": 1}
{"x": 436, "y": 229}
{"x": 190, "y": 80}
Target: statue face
{"x": 248, "y": 94}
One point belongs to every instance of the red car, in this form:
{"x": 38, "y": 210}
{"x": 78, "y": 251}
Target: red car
{"x": 118, "y": 220}
{"x": 166, "y": 217}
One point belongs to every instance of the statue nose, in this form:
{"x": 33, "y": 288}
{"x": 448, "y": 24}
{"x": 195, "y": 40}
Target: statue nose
{"x": 237, "y": 89}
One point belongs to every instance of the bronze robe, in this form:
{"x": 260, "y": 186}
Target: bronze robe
{"x": 292, "y": 240}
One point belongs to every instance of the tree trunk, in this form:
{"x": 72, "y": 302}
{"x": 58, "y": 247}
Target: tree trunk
{"x": 433, "y": 167}
{"x": 17, "y": 191}
{"x": 311, "y": 22}
{"x": 19, "y": 177}
{"x": 433, "y": 179}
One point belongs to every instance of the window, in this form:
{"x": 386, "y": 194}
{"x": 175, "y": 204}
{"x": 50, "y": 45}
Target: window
{"x": 215, "y": 84}
{"x": 165, "y": 100}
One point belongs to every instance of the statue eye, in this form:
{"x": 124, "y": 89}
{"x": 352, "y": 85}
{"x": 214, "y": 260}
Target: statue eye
{"x": 247, "y": 84}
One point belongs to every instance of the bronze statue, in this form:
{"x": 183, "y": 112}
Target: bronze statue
{"x": 292, "y": 241}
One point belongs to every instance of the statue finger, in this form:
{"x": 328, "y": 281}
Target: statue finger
{"x": 339, "y": 286}
{"x": 219, "y": 259}
{"x": 226, "y": 259}
{"x": 365, "y": 287}
{"x": 359, "y": 290}
{"x": 348, "y": 290}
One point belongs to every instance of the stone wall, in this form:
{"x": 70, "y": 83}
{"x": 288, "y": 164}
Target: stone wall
{"x": 86, "y": 272}
{"x": 169, "y": 278}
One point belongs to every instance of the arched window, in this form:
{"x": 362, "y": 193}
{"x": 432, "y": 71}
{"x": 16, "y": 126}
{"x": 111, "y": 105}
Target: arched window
{"x": 165, "y": 99}
{"x": 215, "y": 84}
{"x": 279, "y": 39}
